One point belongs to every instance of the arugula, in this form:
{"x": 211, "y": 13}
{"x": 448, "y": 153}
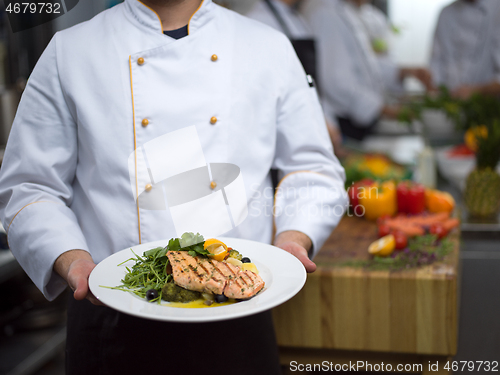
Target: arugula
{"x": 150, "y": 269}
{"x": 190, "y": 242}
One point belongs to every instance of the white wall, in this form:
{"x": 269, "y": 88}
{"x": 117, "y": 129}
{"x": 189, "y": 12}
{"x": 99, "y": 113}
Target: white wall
{"x": 417, "y": 21}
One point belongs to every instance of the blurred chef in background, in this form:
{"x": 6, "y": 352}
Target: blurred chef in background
{"x": 466, "y": 51}
{"x": 352, "y": 77}
{"x": 377, "y": 26}
{"x": 283, "y": 15}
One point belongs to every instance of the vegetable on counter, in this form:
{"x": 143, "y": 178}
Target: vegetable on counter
{"x": 379, "y": 200}
{"x": 411, "y": 197}
{"x": 383, "y": 247}
{"x": 439, "y": 201}
{"x": 374, "y": 167}
{"x": 417, "y": 225}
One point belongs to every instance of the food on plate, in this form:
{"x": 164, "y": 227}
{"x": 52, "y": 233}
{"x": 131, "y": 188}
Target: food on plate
{"x": 190, "y": 269}
{"x": 439, "y": 201}
{"x": 213, "y": 277}
{"x": 411, "y": 197}
{"x": 171, "y": 292}
{"x": 217, "y": 250}
{"x": 383, "y": 247}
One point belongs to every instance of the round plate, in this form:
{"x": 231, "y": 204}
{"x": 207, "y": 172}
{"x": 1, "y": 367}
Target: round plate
{"x": 283, "y": 274}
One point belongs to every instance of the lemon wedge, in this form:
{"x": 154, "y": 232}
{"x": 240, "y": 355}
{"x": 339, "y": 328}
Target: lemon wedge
{"x": 250, "y": 267}
{"x": 234, "y": 262}
{"x": 216, "y": 248}
{"x": 383, "y": 247}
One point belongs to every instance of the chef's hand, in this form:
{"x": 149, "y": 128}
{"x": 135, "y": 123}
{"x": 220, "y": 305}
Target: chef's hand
{"x": 422, "y": 74}
{"x": 390, "y": 112}
{"x": 464, "y": 92}
{"x": 297, "y": 244}
{"x": 75, "y": 266}
{"x": 336, "y": 138}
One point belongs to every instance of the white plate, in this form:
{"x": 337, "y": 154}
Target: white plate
{"x": 283, "y": 274}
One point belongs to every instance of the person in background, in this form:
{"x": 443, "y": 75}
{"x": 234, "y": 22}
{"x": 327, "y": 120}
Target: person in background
{"x": 377, "y": 26}
{"x": 466, "y": 51}
{"x": 352, "y": 78}
{"x": 283, "y": 15}
{"x": 101, "y": 94}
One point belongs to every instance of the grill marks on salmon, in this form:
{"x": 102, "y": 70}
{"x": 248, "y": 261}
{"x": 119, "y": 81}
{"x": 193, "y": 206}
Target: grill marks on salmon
{"x": 245, "y": 285}
{"x": 213, "y": 277}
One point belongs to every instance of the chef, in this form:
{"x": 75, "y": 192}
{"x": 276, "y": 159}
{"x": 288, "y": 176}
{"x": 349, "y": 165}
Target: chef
{"x": 72, "y": 180}
{"x": 376, "y": 25}
{"x": 282, "y": 15}
{"x": 466, "y": 51}
{"x": 351, "y": 77}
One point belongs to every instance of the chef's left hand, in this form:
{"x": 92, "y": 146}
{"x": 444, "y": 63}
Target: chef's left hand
{"x": 464, "y": 92}
{"x": 422, "y": 74}
{"x": 297, "y": 244}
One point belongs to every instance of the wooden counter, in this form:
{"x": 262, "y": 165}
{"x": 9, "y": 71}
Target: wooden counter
{"x": 343, "y": 308}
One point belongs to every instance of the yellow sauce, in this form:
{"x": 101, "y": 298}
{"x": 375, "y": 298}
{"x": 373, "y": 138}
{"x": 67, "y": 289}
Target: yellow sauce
{"x": 198, "y": 304}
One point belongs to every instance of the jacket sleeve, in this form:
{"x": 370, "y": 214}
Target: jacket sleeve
{"x": 438, "y": 63}
{"x": 311, "y": 196}
{"x": 36, "y": 177}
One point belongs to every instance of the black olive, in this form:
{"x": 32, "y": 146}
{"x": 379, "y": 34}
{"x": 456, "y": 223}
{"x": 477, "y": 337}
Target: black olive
{"x": 219, "y": 298}
{"x": 151, "y": 294}
{"x": 246, "y": 260}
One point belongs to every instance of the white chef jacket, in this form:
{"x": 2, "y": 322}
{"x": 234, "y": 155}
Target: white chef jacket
{"x": 64, "y": 182}
{"x": 351, "y": 76}
{"x": 375, "y": 22}
{"x": 298, "y": 28}
{"x": 466, "y": 48}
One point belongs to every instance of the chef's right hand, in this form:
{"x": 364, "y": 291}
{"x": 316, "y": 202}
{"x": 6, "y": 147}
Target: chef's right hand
{"x": 75, "y": 266}
{"x": 391, "y": 112}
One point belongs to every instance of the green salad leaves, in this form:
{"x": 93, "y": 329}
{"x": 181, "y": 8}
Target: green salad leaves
{"x": 150, "y": 269}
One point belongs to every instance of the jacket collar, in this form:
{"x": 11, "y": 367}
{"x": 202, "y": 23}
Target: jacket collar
{"x": 149, "y": 19}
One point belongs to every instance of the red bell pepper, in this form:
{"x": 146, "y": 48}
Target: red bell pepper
{"x": 411, "y": 197}
{"x": 355, "y": 190}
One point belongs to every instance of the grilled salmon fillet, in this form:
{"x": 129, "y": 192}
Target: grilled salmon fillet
{"x": 211, "y": 276}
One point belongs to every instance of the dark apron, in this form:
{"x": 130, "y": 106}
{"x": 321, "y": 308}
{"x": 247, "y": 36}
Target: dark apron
{"x": 103, "y": 341}
{"x": 304, "y": 48}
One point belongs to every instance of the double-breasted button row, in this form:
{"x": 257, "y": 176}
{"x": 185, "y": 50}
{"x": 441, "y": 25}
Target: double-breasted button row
{"x": 145, "y": 122}
{"x": 141, "y": 60}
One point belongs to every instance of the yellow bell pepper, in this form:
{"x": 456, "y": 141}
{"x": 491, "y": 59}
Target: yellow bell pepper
{"x": 379, "y": 200}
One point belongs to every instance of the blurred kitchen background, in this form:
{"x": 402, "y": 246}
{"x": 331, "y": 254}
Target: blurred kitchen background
{"x": 32, "y": 331}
